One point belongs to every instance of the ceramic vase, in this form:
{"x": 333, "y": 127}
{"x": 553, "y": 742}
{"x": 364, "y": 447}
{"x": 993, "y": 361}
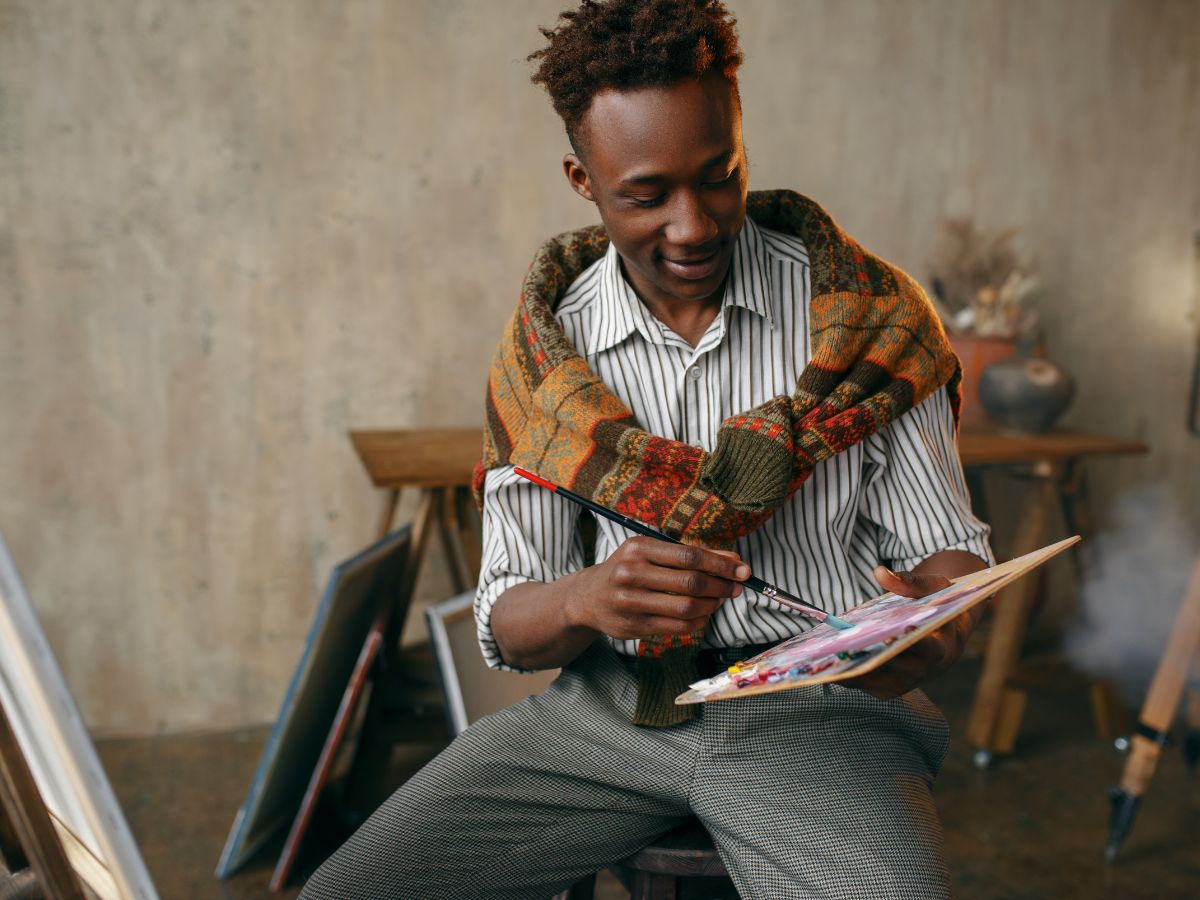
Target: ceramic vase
{"x": 1025, "y": 393}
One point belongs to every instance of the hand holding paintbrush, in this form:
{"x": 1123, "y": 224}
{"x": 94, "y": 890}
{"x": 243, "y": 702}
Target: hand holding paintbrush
{"x": 753, "y": 582}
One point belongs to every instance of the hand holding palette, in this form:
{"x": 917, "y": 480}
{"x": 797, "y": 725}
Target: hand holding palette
{"x": 884, "y": 627}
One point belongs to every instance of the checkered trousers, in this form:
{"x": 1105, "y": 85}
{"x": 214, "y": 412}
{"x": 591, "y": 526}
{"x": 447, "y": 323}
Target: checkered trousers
{"x": 820, "y": 792}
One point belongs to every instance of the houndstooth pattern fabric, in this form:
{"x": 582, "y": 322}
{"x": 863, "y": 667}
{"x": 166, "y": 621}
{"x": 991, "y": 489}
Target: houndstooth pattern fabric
{"x": 821, "y": 792}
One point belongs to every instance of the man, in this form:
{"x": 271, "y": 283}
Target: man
{"x": 767, "y": 391}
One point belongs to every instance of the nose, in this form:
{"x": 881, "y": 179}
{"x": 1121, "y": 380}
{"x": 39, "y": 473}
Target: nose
{"x": 690, "y": 224}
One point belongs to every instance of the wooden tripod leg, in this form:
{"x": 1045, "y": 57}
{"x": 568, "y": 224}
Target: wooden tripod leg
{"x": 30, "y": 821}
{"x": 1158, "y": 711}
{"x": 1012, "y": 609}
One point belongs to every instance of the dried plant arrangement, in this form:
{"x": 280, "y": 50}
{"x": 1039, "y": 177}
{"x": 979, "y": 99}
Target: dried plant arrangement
{"x": 980, "y": 283}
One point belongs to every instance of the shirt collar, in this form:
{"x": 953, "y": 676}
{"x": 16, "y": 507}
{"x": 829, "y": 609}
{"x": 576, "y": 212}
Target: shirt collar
{"x": 749, "y": 285}
{"x": 620, "y": 313}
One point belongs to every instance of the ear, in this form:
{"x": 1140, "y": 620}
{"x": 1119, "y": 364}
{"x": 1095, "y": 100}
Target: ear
{"x": 577, "y": 176}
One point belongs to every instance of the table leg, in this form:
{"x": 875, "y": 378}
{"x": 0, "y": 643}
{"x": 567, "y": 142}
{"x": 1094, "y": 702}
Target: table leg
{"x": 1008, "y": 720}
{"x": 1011, "y": 616}
{"x": 448, "y": 531}
{"x": 1107, "y": 712}
{"x": 390, "y": 501}
{"x": 423, "y": 521}
{"x": 468, "y": 532}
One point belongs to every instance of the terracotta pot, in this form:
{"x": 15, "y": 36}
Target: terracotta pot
{"x": 976, "y": 354}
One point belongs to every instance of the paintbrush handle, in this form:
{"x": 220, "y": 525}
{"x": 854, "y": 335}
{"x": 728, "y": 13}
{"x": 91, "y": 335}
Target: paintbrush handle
{"x": 782, "y": 597}
{"x": 755, "y": 583}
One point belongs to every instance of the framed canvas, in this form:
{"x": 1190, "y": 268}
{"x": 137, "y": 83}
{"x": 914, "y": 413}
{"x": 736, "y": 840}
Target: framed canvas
{"x": 60, "y": 755}
{"x": 471, "y": 689}
{"x": 330, "y": 669}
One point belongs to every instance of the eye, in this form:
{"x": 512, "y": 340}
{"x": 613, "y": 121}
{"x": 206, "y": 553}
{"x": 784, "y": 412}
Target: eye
{"x": 722, "y": 181}
{"x": 647, "y": 203}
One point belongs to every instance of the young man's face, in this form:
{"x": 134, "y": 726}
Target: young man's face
{"x": 667, "y": 171}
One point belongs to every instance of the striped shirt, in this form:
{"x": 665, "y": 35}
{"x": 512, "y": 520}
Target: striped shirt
{"x": 895, "y": 498}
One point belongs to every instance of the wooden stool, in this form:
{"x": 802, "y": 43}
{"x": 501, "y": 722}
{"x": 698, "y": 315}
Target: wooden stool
{"x": 680, "y": 865}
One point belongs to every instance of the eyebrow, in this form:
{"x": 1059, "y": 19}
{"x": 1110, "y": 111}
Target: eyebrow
{"x": 723, "y": 156}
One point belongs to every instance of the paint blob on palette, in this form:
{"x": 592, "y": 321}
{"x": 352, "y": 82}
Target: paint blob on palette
{"x": 882, "y": 628}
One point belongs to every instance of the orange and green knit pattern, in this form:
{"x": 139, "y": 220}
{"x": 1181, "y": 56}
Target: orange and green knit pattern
{"x": 878, "y": 349}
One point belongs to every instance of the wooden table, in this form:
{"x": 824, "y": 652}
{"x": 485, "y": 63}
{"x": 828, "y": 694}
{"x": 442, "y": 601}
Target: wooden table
{"x": 1050, "y": 463}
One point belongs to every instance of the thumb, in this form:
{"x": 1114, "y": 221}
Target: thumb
{"x": 909, "y": 584}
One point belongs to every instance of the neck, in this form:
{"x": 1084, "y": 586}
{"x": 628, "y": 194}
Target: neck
{"x": 687, "y": 318}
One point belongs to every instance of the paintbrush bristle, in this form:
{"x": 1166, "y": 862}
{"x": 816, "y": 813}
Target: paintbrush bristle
{"x": 840, "y": 624}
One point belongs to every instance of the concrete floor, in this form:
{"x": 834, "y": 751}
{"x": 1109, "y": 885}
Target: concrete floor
{"x": 1032, "y": 826}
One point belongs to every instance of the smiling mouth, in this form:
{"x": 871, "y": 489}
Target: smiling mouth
{"x": 695, "y": 268}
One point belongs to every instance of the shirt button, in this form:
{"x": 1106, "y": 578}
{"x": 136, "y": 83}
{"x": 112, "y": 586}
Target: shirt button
{"x": 694, "y": 373}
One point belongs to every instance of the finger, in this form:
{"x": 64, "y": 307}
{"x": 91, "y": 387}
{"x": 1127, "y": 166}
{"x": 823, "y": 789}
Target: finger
{"x": 929, "y": 652}
{"x": 699, "y": 559}
{"x": 909, "y": 584}
{"x": 688, "y": 582}
{"x": 637, "y": 601}
{"x": 898, "y": 676}
{"x": 675, "y": 606}
{"x": 740, "y": 569}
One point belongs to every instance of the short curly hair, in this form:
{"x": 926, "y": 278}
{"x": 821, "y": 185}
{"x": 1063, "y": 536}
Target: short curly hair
{"x": 628, "y": 44}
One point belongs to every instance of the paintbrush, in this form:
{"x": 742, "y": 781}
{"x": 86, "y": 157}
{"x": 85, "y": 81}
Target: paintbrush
{"x": 770, "y": 591}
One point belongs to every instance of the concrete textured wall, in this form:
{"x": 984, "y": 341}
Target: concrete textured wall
{"x": 230, "y": 231}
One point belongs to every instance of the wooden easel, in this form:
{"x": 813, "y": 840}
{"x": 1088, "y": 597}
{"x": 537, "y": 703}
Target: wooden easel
{"x": 35, "y": 863}
{"x": 1158, "y": 713}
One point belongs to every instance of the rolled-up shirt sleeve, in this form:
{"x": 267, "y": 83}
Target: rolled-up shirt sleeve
{"x": 528, "y": 535}
{"x": 915, "y": 493}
